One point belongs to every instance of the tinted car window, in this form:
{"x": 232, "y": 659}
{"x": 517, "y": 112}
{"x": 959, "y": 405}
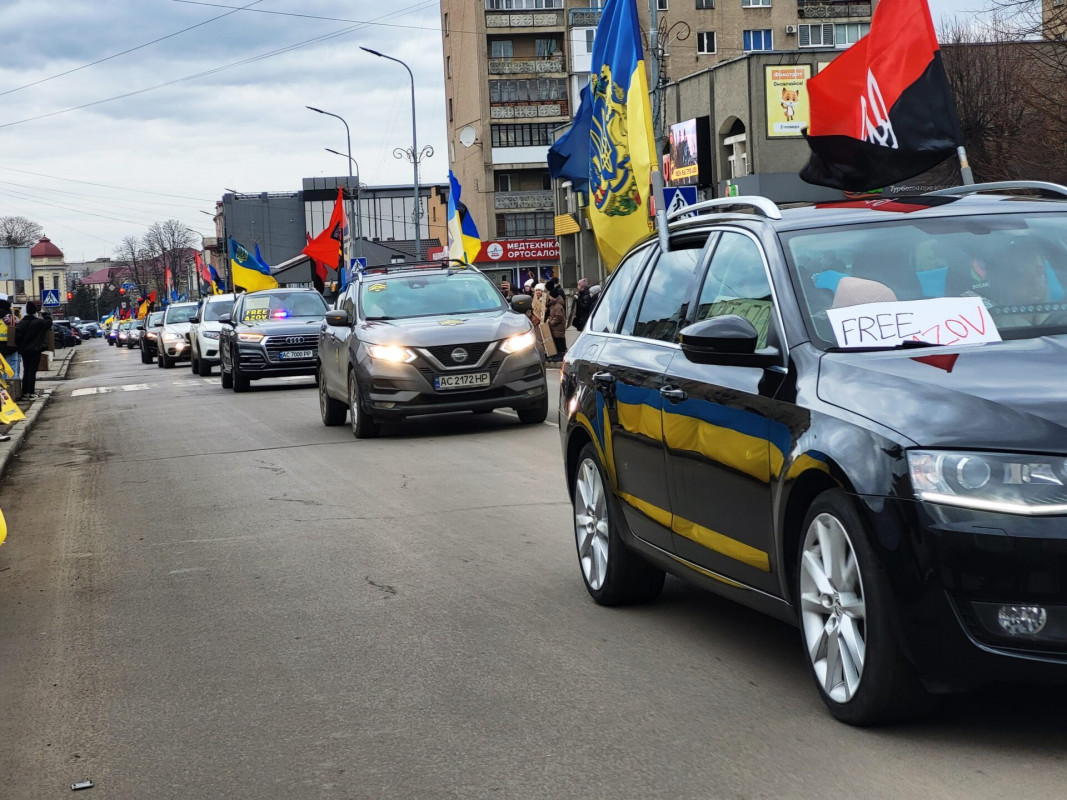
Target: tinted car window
{"x": 737, "y": 283}
{"x": 282, "y": 305}
{"x": 429, "y": 295}
{"x": 155, "y": 319}
{"x": 615, "y": 293}
{"x": 666, "y": 300}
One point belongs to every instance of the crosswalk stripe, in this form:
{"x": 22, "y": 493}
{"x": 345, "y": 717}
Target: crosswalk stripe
{"x": 135, "y": 387}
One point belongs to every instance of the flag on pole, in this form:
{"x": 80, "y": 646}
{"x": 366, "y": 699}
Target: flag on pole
{"x": 204, "y": 273}
{"x": 464, "y": 243}
{"x": 318, "y": 270}
{"x": 259, "y": 259}
{"x": 882, "y": 111}
{"x": 622, "y": 152}
{"x": 218, "y": 285}
{"x": 329, "y": 245}
{"x": 568, "y": 157}
{"x": 168, "y": 280}
{"x": 248, "y": 273}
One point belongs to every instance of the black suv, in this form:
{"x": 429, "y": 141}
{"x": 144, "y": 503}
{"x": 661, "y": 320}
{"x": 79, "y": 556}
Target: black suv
{"x": 270, "y": 334}
{"x": 851, "y": 416}
{"x": 427, "y": 339}
{"x": 153, "y": 324}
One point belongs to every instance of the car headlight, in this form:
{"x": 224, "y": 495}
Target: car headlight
{"x": 150, "y": 335}
{"x": 173, "y": 337}
{"x": 250, "y": 337}
{"x": 390, "y": 352}
{"x": 519, "y": 342}
{"x": 211, "y": 334}
{"x": 1001, "y": 482}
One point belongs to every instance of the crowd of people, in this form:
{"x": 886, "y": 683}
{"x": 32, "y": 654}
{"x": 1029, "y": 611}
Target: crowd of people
{"x": 550, "y": 315}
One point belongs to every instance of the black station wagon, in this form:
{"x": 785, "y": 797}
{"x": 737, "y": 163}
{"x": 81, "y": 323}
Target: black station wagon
{"x": 851, "y": 416}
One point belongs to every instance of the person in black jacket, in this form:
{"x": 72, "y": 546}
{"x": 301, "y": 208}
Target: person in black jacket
{"x": 583, "y": 304}
{"x": 30, "y": 336}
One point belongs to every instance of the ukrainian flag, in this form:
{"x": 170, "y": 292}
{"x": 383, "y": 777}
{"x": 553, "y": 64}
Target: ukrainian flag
{"x": 622, "y": 150}
{"x": 248, "y": 273}
{"x": 463, "y": 240}
{"x": 218, "y": 285}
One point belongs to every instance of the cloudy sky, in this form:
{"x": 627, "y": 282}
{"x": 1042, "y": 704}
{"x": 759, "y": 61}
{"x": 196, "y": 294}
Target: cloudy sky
{"x": 207, "y": 99}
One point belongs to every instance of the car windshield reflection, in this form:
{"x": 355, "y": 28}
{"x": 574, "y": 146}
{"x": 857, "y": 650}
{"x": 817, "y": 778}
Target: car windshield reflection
{"x": 429, "y": 296}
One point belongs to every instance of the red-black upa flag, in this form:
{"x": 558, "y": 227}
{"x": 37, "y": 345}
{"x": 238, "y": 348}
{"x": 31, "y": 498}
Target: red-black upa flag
{"x": 882, "y": 111}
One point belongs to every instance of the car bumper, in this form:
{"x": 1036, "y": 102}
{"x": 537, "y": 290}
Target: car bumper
{"x": 394, "y": 391}
{"x": 177, "y": 351}
{"x": 256, "y": 362}
{"x": 951, "y": 579}
{"x": 208, "y": 350}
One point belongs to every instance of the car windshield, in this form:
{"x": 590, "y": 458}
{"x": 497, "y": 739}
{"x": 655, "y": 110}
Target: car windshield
{"x": 283, "y": 305}
{"x": 155, "y": 319}
{"x": 1014, "y": 266}
{"x": 429, "y": 295}
{"x": 178, "y": 314}
{"x": 214, "y": 310}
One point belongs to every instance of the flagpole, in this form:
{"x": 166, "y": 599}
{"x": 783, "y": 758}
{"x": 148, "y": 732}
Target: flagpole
{"x": 965, "y": 166}
{"x": 657, "y": 123}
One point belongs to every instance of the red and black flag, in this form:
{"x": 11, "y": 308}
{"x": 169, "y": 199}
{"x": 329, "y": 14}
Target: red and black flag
{"x": 882, "y": 112}
{"x": 328, "y": 247}
{"x": 318, "y": 271}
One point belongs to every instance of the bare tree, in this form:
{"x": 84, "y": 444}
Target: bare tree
{"x": 169, "y": 244}
{"x": 132, "y": 254}
{"x": 19, "y": 232}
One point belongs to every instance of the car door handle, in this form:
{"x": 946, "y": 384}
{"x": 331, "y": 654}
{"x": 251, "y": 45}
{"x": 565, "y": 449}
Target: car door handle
{"x": 674, "y": 394}
{"x": 604, "y": 380}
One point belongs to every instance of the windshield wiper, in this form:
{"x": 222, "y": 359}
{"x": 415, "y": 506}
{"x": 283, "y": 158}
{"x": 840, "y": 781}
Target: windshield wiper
{"x": 907, "y": 344}
{"x": 375, "y": 319}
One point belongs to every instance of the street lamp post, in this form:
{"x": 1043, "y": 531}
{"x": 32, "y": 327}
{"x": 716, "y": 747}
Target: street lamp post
{"x": 348, "y": 138}
{"x": 414, "y": 155}
{"x": 359, "y": 215}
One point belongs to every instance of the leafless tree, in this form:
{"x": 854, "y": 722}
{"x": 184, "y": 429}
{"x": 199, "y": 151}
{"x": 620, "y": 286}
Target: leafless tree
{"x": 19, "y": 232}
{"x": 169, "y": 244}
{"x": 132, "y": 254}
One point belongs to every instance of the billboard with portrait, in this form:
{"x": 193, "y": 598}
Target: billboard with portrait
{"x": 690, "y": 153}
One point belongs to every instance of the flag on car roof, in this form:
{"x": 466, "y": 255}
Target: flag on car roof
{"x": 248, "y": 273}
{"x": 464, "y": 243}
{"x": 621, "y": 148}
{"x": 328, "y": 246}
{"x": 882, "y": 111}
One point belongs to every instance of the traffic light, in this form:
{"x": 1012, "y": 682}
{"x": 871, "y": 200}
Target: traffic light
{"x": 122, "y": 291}
{"x": 70, "y": 296}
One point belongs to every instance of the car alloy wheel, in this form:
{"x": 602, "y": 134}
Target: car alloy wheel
{"x": 363, "y": 427}
{"x": 591, "y": 524}
{"x": 832, "y": 608}
{"x": 333, "y": 412}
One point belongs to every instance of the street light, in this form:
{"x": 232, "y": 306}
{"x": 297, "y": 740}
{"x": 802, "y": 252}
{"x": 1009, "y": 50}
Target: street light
{"x": 348, "y": 138}
{"x": 359, "y": 220}
{"x": 414, "y": 155}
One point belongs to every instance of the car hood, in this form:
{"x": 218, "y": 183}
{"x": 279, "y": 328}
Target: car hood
{"x": 445, "y": 329}
{"x": 176, "y": 327}
{"x": 1006, "y": 396}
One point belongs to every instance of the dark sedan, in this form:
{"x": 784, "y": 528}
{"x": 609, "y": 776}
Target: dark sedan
{"x": 270, "y": 334}
{"x": 849, "y": 416}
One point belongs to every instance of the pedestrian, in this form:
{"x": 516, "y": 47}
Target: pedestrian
{"x": 556, "y": 309}
{"x": 31, "y": 336}
{"x": 583, "y": 304}
{"x": 540, "y": 303}
{"x": 527, "y": 288}
{"x": 505, "y": 289}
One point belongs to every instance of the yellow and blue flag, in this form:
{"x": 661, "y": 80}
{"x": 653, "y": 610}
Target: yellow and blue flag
{"x": 622, "y": 150}
{"x": 218, "y": 285}
{"x": 249, "y": 273}
{"x": 464, "y": 243}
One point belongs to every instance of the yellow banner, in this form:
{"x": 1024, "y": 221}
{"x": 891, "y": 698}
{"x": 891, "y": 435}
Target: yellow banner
{"x": 9, "y": 412}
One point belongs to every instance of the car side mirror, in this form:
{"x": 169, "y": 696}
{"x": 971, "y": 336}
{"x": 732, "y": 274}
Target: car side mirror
{"x": 729, "y": 340}
{"x": 521, "y": 303}
{"x": 338, "y": 319}
{"x": 193, "y": 320}
{"x": 225, "y": 318}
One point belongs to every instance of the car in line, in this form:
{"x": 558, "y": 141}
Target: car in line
{"x": 113, "y": 333}
{"x": 123, "y": 332}
{"x": 133, "y": 339}
{"x": 412, "y": 340}
{"x": 204, "y": 329}
{"x": 851, "y": 416}
{"x": 271, "y": 333}
{"x": 173, "y": 342}
{"x": 150, "y": 338}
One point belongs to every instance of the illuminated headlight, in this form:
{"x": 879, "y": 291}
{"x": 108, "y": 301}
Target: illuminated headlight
{"x": 390, "y": 352}
{"x": 518, "y": 343}
{"x": 250, "y": 337}
{"x": 211, "y": 334}
{"x": 998, "y": 482}
{"x": 150, "y": 335}
{"x": 173, "y": 337}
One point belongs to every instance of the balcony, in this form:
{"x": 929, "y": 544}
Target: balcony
{"x": 529, "y": 19}
{"x": 519, "y": 65}
{"x": 523, "y": 201}
{"x": 820, "y": 9}
{"x": 529, "y": 110}
{"x": 585, "y": 17}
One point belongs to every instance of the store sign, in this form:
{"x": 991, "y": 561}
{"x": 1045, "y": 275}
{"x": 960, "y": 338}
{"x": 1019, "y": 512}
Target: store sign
{"x": 518, "y": 250}
{"x": 788, "y": 110}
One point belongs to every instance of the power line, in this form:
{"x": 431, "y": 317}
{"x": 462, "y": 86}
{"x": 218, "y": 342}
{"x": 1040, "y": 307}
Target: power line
{"x": 107, "y": 198}
{"x": 107, "y": 185}
{"x": 130, "y": 50}
{"x": 325, "y": 19}
{"x": 32, "y": 199}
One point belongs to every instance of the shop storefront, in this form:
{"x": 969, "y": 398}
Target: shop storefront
{"x": 518, "y": 260}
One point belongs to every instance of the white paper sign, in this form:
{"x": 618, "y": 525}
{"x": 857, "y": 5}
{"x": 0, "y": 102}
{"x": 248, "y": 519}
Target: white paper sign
{"x": 941, "y": 320}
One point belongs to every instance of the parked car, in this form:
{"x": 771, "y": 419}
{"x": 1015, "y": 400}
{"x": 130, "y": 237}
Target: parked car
{"x": 64, "y": 337}
{"x": 785, "y": 408}
{"x": 150, "y": 338}
{"x": 204, "y": 330}
{"x": 174, "y": 334}
{"x": 269, "y": 334}
{"x": 413, "y": 340}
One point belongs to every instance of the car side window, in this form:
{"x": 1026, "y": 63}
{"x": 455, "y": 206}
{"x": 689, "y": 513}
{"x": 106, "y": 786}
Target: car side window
{"x": 607, "y": 311}
{"x": 737, "y": 283}
{"x": 349, "y": 303}
{"x": 666, "y": 300}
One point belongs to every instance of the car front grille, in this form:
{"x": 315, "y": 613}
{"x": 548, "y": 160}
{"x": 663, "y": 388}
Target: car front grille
{"x": 276, "y": 345}
{"x": 443, "y": 353}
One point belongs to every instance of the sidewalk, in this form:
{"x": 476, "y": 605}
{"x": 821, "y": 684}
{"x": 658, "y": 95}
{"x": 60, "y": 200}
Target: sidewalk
{"x": 46, "y": 384}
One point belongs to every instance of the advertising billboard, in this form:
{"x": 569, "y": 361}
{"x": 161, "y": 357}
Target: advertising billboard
{"x": 690, "y": 153}
{"x": 788, "y": 109}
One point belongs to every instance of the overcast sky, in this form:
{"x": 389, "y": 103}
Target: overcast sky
{"x": 165, "y": 129}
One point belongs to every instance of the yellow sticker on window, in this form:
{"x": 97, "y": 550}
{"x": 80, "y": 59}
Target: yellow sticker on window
{"x": 377, "y": 287}
{"x": 256, "y": 314}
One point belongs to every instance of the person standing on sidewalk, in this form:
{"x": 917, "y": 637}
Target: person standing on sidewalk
{"x": 583, "y": 304}
{"x": 31, "y": 337}
{"x": 556, "y": 310}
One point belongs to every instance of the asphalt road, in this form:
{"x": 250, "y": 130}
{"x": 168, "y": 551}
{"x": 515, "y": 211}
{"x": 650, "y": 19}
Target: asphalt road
{"x": 211, "y": 595}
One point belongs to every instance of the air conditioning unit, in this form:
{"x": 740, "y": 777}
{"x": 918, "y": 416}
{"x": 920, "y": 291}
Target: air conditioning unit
{"x": 790, "y": 28}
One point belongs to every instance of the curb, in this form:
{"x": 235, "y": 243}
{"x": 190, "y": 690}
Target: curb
{"x": 8, "y": 450}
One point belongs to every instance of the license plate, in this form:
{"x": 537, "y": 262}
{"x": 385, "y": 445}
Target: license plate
{"x": 465, "y": 381}
{"x": 288, "y": 354}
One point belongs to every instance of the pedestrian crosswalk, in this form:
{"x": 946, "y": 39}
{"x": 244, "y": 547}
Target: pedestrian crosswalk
{"x": 140, "y": 387}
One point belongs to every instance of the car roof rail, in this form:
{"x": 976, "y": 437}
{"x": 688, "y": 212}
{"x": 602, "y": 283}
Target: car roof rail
{"x": 1000, "y": 186}
{"x": 761, "y": 205}
{"x": 379, "y": 269}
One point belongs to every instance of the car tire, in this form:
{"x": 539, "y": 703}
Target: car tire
{"x": 225, "y": 377}
{"x": 194, "y": 365}
{"x": 333, "y": 412}
{"x": 613, "y": 573}
{"x": 363, "y": 425}
{"x": 168, "y": 363}
{"x": 159, "y": 360}
{"x": 844, "y": 608}
{"x": 534, "y": 415}
{"x": 240, "y": 382}
{"x": 145, "y": 358}
{"x": 203, "y": 368}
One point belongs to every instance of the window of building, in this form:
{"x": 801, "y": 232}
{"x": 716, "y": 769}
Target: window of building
{"x": 661, "y": 5}
{"x": 758, "y": 40}
{"x": 502, "y": 48}
{"x": 755, "y": 3}
{"x": 705, "y": 4}
{"x": 590, "y": 36}
{"x": 528, "y": 224}
{"x": 546, "y": 48}
{"x": 444, "y": 24}
{"x": 546, "y": 181}
{"x": 705, "y": 42}
{"x": 448, "y": 66}
{"x": 817, "y": 35}
{"x": 521, "y": 5}
{"x": 55, "y": 281}
{"x": 847, "y": 34}
{"x": 530, "y": 134}
{"x": 40, "y": 285}
{"x": 528, "y": 89}
{"x": 450, "y": 109}
{"x": 503, "y": 182}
